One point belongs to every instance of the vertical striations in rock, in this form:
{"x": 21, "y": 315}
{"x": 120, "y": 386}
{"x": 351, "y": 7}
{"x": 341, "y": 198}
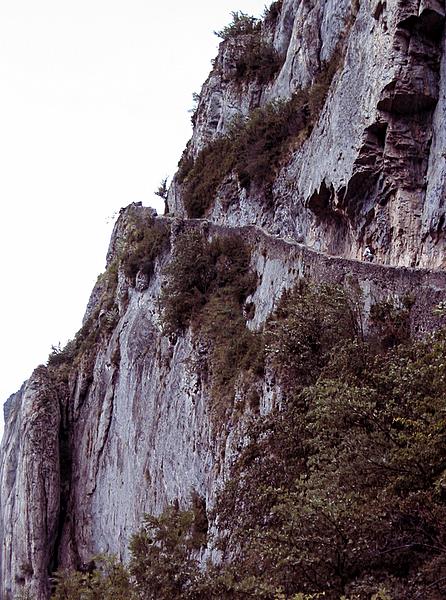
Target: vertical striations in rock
{"x": 30, "y": 488}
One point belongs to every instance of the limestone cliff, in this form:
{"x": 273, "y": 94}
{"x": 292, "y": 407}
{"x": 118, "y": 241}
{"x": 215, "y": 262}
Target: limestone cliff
{"x": 122, "y": 421}
{"x": 372, "y": 170}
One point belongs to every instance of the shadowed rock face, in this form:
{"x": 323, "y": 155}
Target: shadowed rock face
{"x": 129, "y": 430}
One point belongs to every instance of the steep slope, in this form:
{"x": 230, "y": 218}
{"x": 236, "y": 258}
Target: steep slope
{"x": 30, "y": 483}
{"x": 149, "y": 405}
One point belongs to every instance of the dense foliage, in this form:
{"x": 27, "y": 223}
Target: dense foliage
{"x": 143, "y": 243}
{"x": 241, "y": 24}
{"x": 105, "y": 579}
{"x": 207, "y": 283}
{"x": 259, "y": 62}
{"x": 161, "y": 565}
{"x": 201, "y": 270}
{"x": 306, "y": 328}
{"x": 342, "y": 489}
{"x": 339, "y": 492}
{"x": 272, "y": 12}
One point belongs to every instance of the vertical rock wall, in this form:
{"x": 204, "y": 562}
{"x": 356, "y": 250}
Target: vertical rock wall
{"x": 30, "y": 488}
{"x": 372, "y": 171}
{"x": 135, "y": 432}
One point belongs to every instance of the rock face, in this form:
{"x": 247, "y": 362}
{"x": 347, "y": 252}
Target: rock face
{"x": 135, "y": 431}
{"x": 372, "y": 170}
{"x": 30, "y": 484}
{"x": 127, "y": 428}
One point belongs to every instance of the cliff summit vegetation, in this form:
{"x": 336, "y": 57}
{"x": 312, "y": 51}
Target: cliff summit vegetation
{"x": 241, "y": 24}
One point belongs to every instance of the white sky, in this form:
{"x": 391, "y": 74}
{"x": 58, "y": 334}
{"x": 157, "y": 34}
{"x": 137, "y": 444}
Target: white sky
{"x": 94, "y": 97}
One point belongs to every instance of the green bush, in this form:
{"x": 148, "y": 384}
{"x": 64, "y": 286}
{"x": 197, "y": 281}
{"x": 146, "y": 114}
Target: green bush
{"x": 263, "y": 143}
{"x": 161, "y": 566}
{"x": 142, "y": 246}
{"x": 60, "y": 356}
{"x": 307, "y": 328}
{"x": 203, "y": 176}
{"x": 110, "y": 580}
{"x": 234, "y": 350}
{"x": 189, "y": 277}
{"x": 199, "y": 271}
{"x": 241, "y": 24}
{"x": 207, "y": 283}
{"x": 342, "y": 489}
{"x": 259, "y": 61}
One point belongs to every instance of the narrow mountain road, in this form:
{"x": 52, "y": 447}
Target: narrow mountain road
{"x": 293, "y": 243}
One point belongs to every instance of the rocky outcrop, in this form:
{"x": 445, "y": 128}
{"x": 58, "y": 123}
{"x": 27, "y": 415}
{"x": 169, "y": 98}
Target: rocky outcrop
{"x": 121, "y": 424}
{"x": 371, "y": 173}
{"x": 30, "y": 487}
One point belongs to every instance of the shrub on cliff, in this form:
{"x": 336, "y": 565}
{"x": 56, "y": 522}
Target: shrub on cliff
{"x": 255, "y": 148}
{"x": 342, "y": 489}
{"x": 271, "y": 13}
{"x": 263, "y": 141}
{"x": 309, "y": 324}
{"x": 161, "y": 565}
{"x": 201, "y": 270}
{"x": 203, "y": 176}
{"x": 143, "y": 244}
{"x": 241, "y": 24}
{"x": 259, "y": 62}
{"x": 207, "y": 283}
{"x": 189, "y": 276}
{"x": 108, "y": 580}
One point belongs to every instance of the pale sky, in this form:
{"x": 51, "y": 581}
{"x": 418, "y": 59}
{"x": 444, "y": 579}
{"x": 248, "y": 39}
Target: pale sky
{"x": 94, "y": 99}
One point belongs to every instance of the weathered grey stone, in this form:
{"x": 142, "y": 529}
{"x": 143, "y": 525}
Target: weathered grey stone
{"x": 79, "y": 467}
{"x": 137, "y": 421}
{"x": 372, "y": 171}
{"x": 30, "y": 488}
